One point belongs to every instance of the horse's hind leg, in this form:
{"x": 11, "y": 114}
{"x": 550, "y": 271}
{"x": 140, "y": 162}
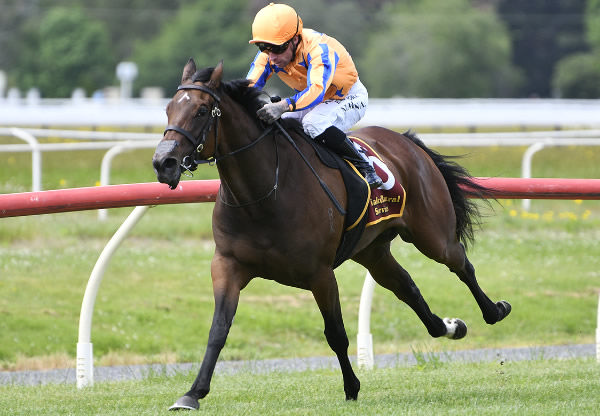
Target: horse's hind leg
{"x": 457, "y": 261}
{"x": 325, "y": 291}
{"x": 437, "y": 240}
{"x": 386, "y": 271}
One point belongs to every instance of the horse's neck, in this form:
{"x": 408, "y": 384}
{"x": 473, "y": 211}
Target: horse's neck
{"x": 249, "y": 171}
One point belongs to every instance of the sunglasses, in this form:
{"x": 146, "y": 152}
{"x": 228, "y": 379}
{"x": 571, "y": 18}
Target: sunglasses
{"x": 276, "y": 49}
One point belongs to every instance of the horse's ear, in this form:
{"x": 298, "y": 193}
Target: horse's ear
{"x": 215, "y": 78}
{"x": 188, "y": 71}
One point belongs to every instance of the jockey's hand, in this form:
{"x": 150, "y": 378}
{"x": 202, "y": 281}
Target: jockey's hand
{"x": 272, "y": 111}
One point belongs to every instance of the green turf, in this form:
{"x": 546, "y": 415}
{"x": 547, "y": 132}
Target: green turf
{"x": 538, "y": 387}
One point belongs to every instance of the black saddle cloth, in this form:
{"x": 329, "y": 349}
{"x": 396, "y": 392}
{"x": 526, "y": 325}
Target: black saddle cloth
{"x": 357, "y": 191}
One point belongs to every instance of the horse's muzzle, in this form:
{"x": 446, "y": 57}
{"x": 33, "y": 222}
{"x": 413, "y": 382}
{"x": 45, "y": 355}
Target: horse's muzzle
{"x": 167, "y": 170}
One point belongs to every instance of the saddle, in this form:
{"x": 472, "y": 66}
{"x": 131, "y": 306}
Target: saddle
{"x": 357, "y": 190}
{"x": 365, "y": 207}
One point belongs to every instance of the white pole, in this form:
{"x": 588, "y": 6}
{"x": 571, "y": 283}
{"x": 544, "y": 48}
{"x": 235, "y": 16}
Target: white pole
{"x": 36, "y": 157}
{"x": 105, "y": 173}
{"x": 526, "y": 167}
{"x": 85, "y": 361}
{"x": 364, "y": 339}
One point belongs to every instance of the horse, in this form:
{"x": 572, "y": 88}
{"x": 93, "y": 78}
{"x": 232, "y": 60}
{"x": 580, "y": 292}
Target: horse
{"x": 273, "y": 219}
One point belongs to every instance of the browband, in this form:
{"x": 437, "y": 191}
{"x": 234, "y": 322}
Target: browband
{"x": 201, "y": 88}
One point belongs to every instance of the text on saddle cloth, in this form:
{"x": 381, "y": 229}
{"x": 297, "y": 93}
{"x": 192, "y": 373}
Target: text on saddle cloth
{"x": 388, "y": 200}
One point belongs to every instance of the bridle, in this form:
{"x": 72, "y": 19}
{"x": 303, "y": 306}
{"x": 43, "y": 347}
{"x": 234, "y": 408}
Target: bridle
{"x": 190, "y": 162}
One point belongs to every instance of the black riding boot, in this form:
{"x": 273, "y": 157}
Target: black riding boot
{"x": 337, "y": 141}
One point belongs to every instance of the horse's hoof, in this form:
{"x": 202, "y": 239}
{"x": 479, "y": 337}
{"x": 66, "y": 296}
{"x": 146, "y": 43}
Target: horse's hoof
{"x": 505, "y": 309}
{"x": 352, "y": 390}
{"x": 185, "y": 403}
{"x": 455, "y": 328}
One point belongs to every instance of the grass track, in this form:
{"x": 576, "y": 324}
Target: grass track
{"x": 513, "y": 388}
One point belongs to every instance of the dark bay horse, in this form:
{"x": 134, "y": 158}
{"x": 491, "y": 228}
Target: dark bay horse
{"x": 273, "y": 220}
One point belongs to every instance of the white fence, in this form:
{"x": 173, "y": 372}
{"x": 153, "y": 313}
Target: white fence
{"x": 117, "y": 141}
{"x": 395, "y": 112}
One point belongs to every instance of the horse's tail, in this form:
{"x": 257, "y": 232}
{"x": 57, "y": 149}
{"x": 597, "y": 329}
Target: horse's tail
{"x": 461, "y": 185}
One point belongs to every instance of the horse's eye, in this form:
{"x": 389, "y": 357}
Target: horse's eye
{"x": 202, "y": 112}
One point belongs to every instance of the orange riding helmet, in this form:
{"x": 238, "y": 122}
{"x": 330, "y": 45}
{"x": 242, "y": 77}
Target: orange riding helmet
{"x": 275, "y": 24}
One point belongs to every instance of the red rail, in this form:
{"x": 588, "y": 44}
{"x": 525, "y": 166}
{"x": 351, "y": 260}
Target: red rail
{"x": 109, "y": 196}
{"x": 116, "y": 196}
{"x": 542, "y": 188}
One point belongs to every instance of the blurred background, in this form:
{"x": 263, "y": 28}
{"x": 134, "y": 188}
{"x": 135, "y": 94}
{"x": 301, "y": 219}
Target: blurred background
{"x": 403, "y": 48}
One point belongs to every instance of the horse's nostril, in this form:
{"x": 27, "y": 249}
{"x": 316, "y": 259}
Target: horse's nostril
{"x": 170, "y": 163}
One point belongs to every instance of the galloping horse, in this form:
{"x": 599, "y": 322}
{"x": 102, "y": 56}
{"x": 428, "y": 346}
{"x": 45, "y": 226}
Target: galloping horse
{"x": 273, "y": 220}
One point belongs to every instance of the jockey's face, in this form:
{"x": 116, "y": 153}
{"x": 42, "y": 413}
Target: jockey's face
{"x": 283, "y": 59}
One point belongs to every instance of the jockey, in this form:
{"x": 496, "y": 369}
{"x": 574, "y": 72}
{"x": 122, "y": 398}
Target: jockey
{"x": 329, "y": 97}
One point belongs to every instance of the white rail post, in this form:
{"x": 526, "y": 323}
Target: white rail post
{"x": 364, "y": 339}
{"x": 85, "y": 359}
{"x": 36, "y": 157}
{"x": 105, "y": 173}
{"x": 526, "y": 167}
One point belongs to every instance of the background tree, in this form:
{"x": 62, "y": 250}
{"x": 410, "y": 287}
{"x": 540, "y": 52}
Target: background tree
{"x": 67, "y": 50}
{"x": 542, "y": 33}
{"x": 206, "y": 30}
{"x": 592, "y": 24}
{"x": 13, "y": 16}
{"x": 432, "y": 48}
{"x": 578, "y": 75}
{"x": 438, "y": 49}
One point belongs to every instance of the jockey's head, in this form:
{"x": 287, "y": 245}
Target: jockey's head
{"x": 274, "y": 28}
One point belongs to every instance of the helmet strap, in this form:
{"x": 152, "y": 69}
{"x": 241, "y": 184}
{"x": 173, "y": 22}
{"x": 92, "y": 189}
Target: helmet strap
{"x": 296, "y": 45}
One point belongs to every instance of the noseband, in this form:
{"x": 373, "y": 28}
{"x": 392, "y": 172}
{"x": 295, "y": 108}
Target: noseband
{"x": 190, "y": 162}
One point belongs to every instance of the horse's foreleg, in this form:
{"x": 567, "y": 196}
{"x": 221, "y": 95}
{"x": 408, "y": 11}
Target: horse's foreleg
{"x": 226, "y": 289}
{"x": 325, "y": 292}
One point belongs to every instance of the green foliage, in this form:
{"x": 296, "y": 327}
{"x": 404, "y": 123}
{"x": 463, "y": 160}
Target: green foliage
{"x": 73, "y": 51}
{"x": 433, "y": 49}
{"x": 592, "y": 21}
{"x": 454, "y": 48}
{"x": 205, "y": 30}
{"x": 542, "y": 33}
{"x": 578, "y": 76}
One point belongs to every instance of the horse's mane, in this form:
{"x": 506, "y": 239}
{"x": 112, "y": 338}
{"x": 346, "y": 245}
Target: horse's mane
{"x": 251, "y": 99}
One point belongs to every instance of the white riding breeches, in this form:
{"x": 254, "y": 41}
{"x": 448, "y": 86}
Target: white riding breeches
{"x": 343, "y": 114}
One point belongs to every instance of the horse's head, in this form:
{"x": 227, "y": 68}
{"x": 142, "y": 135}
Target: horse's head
{"x": 192, "y": 114}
